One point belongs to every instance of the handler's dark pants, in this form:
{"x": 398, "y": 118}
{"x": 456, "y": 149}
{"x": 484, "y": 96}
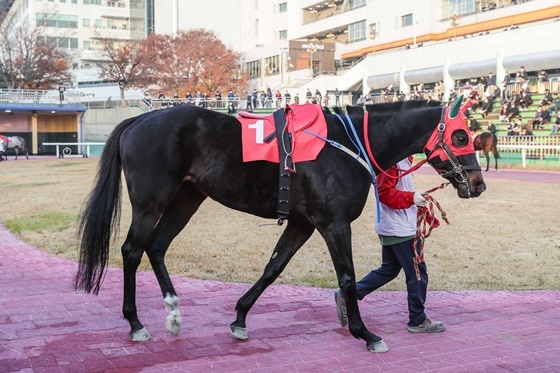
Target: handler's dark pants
{"x": 394, "y": 258}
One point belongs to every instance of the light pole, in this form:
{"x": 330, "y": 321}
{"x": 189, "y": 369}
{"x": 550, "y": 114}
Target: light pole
{"x": 312, "y": 49}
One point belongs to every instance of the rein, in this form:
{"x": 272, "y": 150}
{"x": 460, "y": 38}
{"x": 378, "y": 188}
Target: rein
{"x": 425, "y": 223}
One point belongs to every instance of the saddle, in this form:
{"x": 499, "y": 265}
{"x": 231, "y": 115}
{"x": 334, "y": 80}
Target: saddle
{"x": 289, "y": 135}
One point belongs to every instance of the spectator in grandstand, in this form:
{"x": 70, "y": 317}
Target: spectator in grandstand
{"x": 542, "y": 116}
{"x": 473, "y": 82}
{"x": 308, "y": 95}
{"x": 505, "y": 94}
{"x": 492, "y": 128}
{"x": 543, "y": 76}
{"x": 525, "y": 131}
{"x": 513, "y": 111}
{"x": 555, "y": 126}
{"x": 547, "y": 99}
{"x": 513, "y": 129}
{"x": 507, "y": 78}
{"x": 490, "y": 80}
{"x": 555, "y": 103}
{"x": 523, "y": 72}
{"x": 473, "y": 124}
{"x": 452, "y": 96}
{"x": 361, "y": 101}
{"x": 482, "y": 82}
{"x": 488, "y": 106}
{"x": 504, "y": 112}
{"x": 525, "y": 100}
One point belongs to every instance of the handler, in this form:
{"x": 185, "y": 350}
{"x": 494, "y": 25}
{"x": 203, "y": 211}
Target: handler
{"x": 399, "y": 204}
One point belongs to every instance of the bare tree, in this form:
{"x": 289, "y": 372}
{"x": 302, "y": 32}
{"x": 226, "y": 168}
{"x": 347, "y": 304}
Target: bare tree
{"x": 26, "y": 61}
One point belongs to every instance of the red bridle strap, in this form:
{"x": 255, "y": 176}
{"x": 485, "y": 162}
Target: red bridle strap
{"x": 372, "y": 159}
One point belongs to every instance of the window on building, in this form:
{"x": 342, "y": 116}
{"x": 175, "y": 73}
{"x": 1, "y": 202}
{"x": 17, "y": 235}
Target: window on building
{"x": 282, "y": 7}
{"x": 357, "y": 31}
{"x": 406, "y": 20}
{"x": 86, "y": 22}
{"x": 63, "y": 42}
{"x": 283, "y": 34}
{"x": 253, "y": 69}
{"x": 62, "y": 1}
{"x": 74, "y": 43}
{"x": 256, "y": 27}
{"x": 272, "y": 65}
{"x": 74, "y": 1}
{"x": 87, "y": 44}
{"x": 98, "y": 23}
{"x": 357, "y": 4}
{"x": 111, "y": 23}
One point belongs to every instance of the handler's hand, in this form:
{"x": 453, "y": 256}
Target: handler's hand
{"x": 419, "y": 199}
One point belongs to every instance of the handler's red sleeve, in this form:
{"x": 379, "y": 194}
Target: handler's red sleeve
{"x": 388, "y": 195}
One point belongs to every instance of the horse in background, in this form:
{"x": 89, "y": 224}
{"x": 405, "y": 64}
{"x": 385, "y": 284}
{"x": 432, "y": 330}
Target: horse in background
{"x": 487, "y": 142}
{"x": 14, "y": 142}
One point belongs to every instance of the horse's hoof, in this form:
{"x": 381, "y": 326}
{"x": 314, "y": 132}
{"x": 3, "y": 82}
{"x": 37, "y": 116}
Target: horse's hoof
{"x": 173, "y": 323}
{"x": 238, "y": 332}
{"x": 141, "y": 335}
{"x": 379, "y": 346}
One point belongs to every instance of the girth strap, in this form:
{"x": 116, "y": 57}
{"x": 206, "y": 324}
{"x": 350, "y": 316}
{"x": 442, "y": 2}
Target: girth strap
{"x": 286, "y": 165}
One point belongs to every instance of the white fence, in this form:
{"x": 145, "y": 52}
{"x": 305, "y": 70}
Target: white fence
{"x": 531, "y": 147}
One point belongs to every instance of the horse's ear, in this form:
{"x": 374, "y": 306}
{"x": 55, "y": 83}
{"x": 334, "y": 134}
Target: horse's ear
{"x": 454, "y": 111}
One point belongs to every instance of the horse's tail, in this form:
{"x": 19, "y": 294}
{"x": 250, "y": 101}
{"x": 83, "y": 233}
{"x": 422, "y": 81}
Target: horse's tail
{"x": 101, "y": 215}
{"x": 495, "y": 146}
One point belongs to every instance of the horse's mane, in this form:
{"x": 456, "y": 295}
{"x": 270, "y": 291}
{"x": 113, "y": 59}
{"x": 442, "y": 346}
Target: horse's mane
{"x": 385, "y": 107}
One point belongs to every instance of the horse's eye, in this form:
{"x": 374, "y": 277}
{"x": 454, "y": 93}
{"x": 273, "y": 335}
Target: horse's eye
{"x": 460, "y": 138}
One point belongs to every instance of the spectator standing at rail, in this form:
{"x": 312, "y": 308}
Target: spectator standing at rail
{"x": 336, "y": 97}
{"x": 308, "y": 96}
{"x": 490, "y": 80}
{"x": 255, "y": 97}
{"x": 249, "y": 101}
{"x": 543, "y": 76}
{"x": 61, "y": 90}
{"x": 287, "y": 97}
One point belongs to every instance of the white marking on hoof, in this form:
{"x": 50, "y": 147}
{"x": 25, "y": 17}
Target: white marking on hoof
{"x": 238, "y": 332}
{"x": 173, "y": 320}
{"x": 380, "y": 346}
{"x": 141, "y": 335}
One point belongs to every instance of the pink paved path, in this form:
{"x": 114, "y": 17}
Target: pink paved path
{"x": 46, "y": 327}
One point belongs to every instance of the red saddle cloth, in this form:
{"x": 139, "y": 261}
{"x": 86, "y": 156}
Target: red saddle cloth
{"x": 256, "y": 128}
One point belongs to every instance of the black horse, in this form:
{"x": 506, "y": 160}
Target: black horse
{"x": 174, "y": 159}
{"x": 487, "y": 142}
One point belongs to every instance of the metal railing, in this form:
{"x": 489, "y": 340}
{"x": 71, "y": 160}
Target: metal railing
{"x": 531, "y": 147}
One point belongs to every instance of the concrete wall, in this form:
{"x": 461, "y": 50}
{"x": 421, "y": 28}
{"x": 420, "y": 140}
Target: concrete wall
{"x": 97, "y": 124}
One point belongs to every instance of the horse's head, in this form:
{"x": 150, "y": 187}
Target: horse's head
{"x": 450, "y": 151}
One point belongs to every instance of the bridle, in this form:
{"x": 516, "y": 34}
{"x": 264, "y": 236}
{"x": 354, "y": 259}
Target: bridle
{"x": 458, "y": 171}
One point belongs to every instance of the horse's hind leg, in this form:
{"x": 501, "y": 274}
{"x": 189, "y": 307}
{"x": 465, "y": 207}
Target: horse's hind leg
{"x": 487, "y": 156}
{"x": 293, "y": 237}
{"x": 178, "y": 213}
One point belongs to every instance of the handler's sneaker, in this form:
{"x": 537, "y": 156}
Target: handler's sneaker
{"x": 428, "y": 326}
{"x": 341, "y": 307}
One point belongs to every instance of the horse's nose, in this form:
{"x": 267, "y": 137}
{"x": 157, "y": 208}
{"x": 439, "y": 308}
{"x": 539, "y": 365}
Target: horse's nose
{"x": 480, "y": 186}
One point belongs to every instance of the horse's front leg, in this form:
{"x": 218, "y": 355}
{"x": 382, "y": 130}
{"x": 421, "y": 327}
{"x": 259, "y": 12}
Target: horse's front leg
{"x": 293, "y": 237}
{"x": 339, "y": 241}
